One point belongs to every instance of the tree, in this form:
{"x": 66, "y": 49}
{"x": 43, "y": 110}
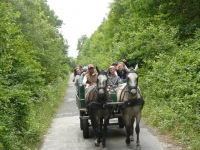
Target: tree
{"x": 81, "y": 41}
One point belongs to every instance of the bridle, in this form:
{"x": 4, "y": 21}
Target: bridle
{"x": 127, "y": 82}
{"x": 128, "y": 87}
{"x": 104, "y": 95}
{"x": 104, "y": 88}
{"x": 102, "y": 99}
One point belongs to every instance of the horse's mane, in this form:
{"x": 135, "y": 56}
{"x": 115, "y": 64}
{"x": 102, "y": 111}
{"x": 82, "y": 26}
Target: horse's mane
{"x": 102, "y": 72}
{"x": 132, "y": 70}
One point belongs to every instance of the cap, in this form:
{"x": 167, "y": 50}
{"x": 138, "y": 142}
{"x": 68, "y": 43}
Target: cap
{"x": 85, "y": 68}
{"x": 115, "y": 63}
{"x": 90, "y": 66}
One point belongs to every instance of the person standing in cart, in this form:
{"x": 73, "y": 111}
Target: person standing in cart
{"x": 90, "y": 77}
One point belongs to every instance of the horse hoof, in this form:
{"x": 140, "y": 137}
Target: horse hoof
{"x": 128, "y": 142}
{"x": 96, "y": 143}
{"x": 138, "y": 147}
{"x": 131, "y": 138}
{"x": 104, "y": 148}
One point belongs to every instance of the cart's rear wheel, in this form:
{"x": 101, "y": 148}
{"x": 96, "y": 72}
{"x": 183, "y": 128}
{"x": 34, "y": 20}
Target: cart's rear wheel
{"x": 121, "y": 123}
{"x": 85, "y": 128}
{"x": 81, "y": 124}
{"x": 81, "y": 120}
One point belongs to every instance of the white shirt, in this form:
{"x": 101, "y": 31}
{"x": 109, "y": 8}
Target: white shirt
{"x": 84, "y": 80}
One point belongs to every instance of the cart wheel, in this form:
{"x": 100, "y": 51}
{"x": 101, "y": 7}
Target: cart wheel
{"x": 121, "y": 123}
{"x": 81, "y": 123}
{"x": 82, "y": 113}
{"x": 85, "y": 128}
{"x": 81, "y": 120}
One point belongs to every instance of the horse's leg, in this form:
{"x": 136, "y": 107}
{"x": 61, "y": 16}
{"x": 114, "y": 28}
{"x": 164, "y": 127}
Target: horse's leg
{"x": 127, "y": 134}
{"x": 106, "y": 121}
{"x": 137, "y": 128}
{"x": 95, "y": 125}
{"x": 128, "y": 125}
{"x": 98, "y": 120}
{"x": 132, "y": 130}
{"x": 101, "y": 125}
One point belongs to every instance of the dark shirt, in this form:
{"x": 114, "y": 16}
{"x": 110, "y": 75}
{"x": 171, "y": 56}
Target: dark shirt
{"x": 122, "y": 73}
{"x": 127, "y": 65}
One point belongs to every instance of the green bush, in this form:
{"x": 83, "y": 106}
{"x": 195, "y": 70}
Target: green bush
{"x": 26, "y": 83}
{"x": 171, "y": 90}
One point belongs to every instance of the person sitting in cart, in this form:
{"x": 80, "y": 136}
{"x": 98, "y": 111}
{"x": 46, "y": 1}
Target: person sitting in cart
{"x": 90, "y": 77}
{"x": 85, "y": 70}
{"x": 76, "y": 78}
{"x": 122, "y": 70}
{"x": 113, "y": 79}
{"x": 114, "y": 64}
{"x": 122, "y": 66}
{"x": 76, "y": 72}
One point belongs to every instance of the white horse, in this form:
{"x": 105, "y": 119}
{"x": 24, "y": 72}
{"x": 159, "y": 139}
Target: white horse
{"x": 129, "y": 94}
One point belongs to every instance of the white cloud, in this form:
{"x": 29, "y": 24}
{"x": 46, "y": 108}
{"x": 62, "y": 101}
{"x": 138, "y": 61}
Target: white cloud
{"x": 80, "y": 17}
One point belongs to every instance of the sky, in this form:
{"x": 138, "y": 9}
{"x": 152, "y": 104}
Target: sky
{"x": 80, "y": 17}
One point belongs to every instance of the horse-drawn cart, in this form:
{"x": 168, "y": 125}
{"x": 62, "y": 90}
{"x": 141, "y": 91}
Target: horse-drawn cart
{"x": 84, "y": 117}
{"x": 97, "y": 105}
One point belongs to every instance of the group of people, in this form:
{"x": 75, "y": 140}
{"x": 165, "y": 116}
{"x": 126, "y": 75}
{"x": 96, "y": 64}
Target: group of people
{"x": 87, "y": 75}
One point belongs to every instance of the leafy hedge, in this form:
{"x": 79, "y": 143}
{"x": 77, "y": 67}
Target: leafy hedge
{"x": 29, "y": 71}
{"x": 171, "y": 88}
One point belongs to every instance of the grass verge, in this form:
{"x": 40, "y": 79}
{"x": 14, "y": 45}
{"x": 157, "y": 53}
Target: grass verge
{"x": 43, "y": 113}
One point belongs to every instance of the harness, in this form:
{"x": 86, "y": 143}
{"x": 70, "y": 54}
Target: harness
{"x": 131, "y": 102}
{"x": 100, "y": 103}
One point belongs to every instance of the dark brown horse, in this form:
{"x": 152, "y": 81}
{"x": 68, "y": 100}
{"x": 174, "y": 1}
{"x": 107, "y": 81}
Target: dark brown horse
{"x": 129, "y": 94}
{"x": 96, "y": 98}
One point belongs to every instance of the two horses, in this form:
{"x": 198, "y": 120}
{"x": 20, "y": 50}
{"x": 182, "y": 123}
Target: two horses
{"x": 97, "y": 97}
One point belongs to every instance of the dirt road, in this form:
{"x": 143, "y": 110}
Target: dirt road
{"x": 65, "y": 133}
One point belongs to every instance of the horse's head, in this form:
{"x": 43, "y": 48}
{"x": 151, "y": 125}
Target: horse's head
{"x": 132, "y": 81}
{"x": 101, "y": 82}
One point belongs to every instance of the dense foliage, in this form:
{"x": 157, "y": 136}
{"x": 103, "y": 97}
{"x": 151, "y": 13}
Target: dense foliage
{"x": 163, "y": 38}
{"x": 33, "y": 67}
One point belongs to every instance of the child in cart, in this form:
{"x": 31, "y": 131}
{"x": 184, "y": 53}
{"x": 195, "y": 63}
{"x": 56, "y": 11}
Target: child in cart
{"x": 113, "y": 79}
